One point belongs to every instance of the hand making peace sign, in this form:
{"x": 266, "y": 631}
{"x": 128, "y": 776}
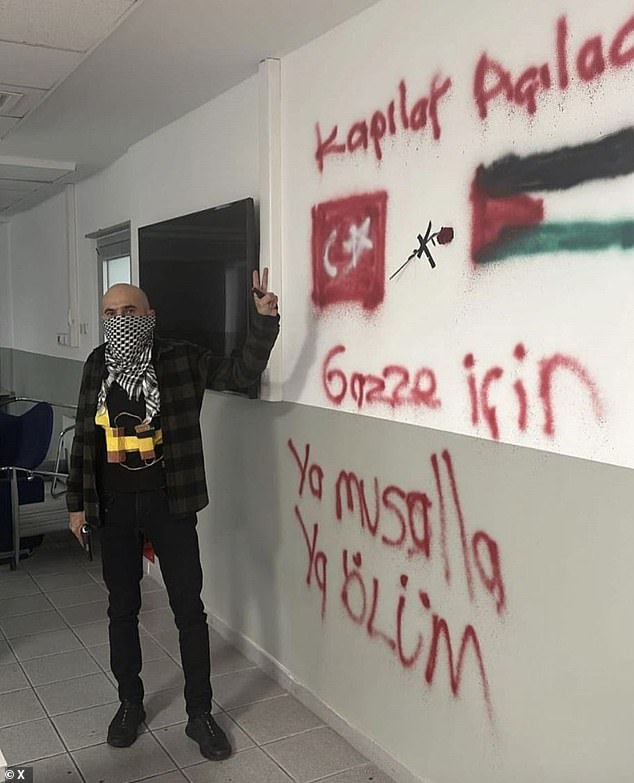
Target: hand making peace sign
{"x": 265, "y": 301}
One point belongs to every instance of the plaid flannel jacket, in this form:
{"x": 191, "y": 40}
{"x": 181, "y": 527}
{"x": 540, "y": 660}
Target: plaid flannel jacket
{"x": 184, "y": 371}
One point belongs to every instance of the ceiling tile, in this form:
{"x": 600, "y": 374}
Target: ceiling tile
{"x": 35, "y": 66}
{"x": 31, "y": 173}
{"x": 16, "y": 194}
{"x": 6, "y": 123}
{"x": 22, "y": 185}
{"x": 164, "y": 59}
{"x": 65, "y": 24}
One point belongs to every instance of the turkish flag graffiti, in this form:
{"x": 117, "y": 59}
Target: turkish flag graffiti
{"x": 348, "y": 249}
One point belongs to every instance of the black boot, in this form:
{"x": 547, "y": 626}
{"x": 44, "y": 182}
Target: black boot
{"x": 211, "y": 739}
{"x": 124, "y": 727}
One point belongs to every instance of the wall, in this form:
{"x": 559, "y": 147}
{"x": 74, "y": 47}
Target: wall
{"x": 502, "y": 331}
{"x": 45, "y": 377}
{"x": 39, "y": 264}
{"x": 523, "y": 563}
{"x": 546, "y": 686}
{"x": 32, "y": 363}
{"x": 6, "y": 310}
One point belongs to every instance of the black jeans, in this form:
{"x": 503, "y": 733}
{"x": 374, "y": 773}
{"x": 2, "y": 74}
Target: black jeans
{"x": 126, "y": 517}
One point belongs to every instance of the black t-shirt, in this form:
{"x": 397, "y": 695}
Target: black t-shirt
{"x": 130, "y": 460}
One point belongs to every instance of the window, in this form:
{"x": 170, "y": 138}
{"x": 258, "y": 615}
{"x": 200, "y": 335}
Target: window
{"x": 115, "y": 270}
{"x": 113, "y": 254}
{"x": 112, "y": 246}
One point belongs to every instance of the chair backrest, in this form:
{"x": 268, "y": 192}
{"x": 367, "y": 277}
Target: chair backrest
{"x": 9, "y": 438}
{"x": 35, "y": 429}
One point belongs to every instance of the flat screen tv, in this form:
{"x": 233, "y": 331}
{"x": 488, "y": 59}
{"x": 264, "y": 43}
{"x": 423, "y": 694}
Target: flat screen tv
{"x": 197, "y": 270}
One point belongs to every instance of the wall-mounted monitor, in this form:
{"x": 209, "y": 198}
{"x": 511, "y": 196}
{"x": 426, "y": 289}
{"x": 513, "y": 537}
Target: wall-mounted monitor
{"x": 196, "y": 270}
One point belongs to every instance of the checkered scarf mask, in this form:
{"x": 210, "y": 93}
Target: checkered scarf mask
{"x": 129, "y": 360}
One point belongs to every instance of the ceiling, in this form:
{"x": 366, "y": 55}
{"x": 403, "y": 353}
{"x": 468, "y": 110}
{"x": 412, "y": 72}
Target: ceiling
{"x": 83, "y": 80}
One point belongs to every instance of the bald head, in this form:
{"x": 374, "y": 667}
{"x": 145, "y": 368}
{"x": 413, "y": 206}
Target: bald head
{"x": 124, "y": 299}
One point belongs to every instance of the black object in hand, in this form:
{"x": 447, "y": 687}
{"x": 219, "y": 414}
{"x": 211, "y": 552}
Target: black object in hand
{"x": 86, "y": 539}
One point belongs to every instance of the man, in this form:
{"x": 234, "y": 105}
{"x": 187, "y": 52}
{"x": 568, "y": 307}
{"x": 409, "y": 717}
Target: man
{"x": 136, "y": 470}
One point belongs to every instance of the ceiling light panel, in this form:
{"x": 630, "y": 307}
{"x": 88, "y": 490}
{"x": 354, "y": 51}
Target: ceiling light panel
{"x": 33, "y": 171}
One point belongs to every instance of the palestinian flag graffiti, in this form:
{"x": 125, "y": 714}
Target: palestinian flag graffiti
{"x": 507, "y": 221}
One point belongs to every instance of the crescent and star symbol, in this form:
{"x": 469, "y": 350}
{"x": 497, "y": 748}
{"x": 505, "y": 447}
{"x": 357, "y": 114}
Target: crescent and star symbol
{"x": 355, "y": 245}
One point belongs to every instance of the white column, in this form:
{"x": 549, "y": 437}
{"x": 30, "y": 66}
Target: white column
{"x": 270, "y": 162}
{"x": 73, "y": 269}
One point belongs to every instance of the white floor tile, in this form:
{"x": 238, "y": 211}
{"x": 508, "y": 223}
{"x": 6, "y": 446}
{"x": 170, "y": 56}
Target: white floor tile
{"x": 244, "y": 687}
{"x": 90, "y": 691}
{"x": 6, "y": 653}
{"x": 19, "y": 707}
{"x": 86, "y": 613}
{"x": 144, "y": 759}
{"x": 273, "y": 719}
{"x": 315, "y": 754}
{"x": 52, "y": 770}
{"x": 31, "y": 624}
{"x": 76, "y": 595}
{"x": 226, "y": 659}
{"x": 93, "y": 633}
{"x": 249, "y": 766}
{"x": 63, "y": 666}
{"x": 27, "y": 604}
{"x": 27, "y": 742}
{"x": 12, "y": 678}
{"x": 74, "y": 579}
{"x": 369, "y": 774}
{"x": 27, "y": 647}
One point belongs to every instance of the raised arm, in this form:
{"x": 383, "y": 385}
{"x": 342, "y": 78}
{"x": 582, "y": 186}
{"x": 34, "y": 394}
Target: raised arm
{"x": 244, "y": 368}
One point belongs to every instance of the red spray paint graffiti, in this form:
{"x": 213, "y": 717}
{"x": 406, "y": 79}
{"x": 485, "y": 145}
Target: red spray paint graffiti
{"x": 410, "y": 521}
{"x": 548, "y": 367}
{"x": 396, "y": 387}
{"x": 348, "y": 250}
{"x": 369, "y": 134}
{"x": 402, "y": 519}
{"x": 360, "y": 603}
{"x": 317, "y": 560}
{"x": 492, "y": 80}
{"x": 480, "y": 393}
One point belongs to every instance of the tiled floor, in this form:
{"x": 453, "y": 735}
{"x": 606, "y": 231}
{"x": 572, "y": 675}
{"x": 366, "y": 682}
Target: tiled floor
{"x": 57, "y": 694}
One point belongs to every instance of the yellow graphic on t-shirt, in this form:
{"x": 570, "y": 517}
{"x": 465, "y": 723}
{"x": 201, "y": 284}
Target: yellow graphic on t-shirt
{"x": 119, "y": 445}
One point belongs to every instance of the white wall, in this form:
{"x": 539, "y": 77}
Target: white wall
{"x": 39, "y": 261}
{"x": 6, "y": 310}
{"x": 6, "y": 299}
{"x": 555, "y": 304}
{"x": 555, "y": 652}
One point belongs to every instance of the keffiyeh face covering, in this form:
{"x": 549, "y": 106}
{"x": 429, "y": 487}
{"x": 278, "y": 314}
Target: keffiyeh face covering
{"x": 129, "y": 360}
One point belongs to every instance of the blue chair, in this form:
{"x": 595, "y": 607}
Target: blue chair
{"x": 24, "y": 444}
